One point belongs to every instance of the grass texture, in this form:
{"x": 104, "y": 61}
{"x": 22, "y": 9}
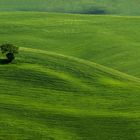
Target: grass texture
{"x": 56, "y": 90}
{"x": 112, "y": 41}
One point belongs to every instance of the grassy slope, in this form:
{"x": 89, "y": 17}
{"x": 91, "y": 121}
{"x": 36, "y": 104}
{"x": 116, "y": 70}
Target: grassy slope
{"x": 57, "y": 97}
{"x": 52, "y": 96}
{"x": 122, "y": 7}
{"x": 103, "y": 39}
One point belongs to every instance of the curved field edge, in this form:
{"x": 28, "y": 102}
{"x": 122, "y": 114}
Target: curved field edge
{"x": 85, "y": 62}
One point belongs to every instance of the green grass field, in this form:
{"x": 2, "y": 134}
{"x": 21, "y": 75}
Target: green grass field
{"x": 77, "y": 77}
{"x": 112, "y": 41}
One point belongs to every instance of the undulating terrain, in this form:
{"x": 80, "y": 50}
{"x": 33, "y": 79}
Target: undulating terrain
{"x": 76, "y": 77}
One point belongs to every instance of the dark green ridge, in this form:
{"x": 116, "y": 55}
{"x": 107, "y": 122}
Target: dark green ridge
{"x": 119, "y": 7}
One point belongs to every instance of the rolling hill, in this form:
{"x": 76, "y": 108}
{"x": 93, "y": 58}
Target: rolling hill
{"x": 65, "y": 83}
{"x": 112, "y": 41}
{"x": 45, "y": 95}
{"x": 121, "y": 7}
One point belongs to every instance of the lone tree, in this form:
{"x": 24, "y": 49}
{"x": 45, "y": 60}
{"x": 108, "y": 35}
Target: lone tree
{"x": 9, "y": 50}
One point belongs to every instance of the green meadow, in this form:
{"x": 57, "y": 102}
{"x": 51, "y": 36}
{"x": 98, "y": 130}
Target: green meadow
{"x": 66, "y": 83}
{"x": 76, "y": 77}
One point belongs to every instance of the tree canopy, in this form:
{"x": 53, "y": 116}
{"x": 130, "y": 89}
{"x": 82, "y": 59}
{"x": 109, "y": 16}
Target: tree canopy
{"x": 9, "y": 50}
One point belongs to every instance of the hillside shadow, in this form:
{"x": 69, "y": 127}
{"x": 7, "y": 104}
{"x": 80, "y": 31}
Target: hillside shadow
{"x": 95, "y": 11}
{"x": 4, "y": 61}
